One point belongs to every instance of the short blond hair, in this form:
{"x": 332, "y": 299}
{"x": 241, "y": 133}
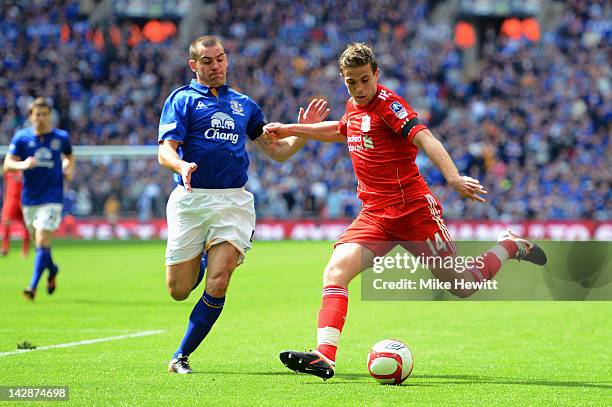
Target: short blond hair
{"x": 357, "y": 54}
{"x": 205, "y": 41}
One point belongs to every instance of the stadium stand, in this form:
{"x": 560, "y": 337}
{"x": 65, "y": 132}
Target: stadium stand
{"x": 532, "y": 123}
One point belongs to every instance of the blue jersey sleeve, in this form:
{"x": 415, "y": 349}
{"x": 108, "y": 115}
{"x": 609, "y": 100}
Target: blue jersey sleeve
{"x": 67, "y": 145}
{"x": 16, "y": 148}
{"x": 173, "y": 120}
{"x": 256, "y": 122}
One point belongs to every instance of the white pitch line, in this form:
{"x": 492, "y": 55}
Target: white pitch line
{"x": 86, "y": 342}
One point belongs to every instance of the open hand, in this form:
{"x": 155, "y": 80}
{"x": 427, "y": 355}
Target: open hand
{"x": 469, "y": 188}
{"x": 316, "y": 112}
{"x": 186, "y": 170}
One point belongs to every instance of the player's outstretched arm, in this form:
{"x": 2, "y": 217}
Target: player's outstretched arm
{"x": 168, "y": 157}
{"x": 324, "y": 131}
{"x": 281, "y": 149}
{"x": 12, "y": 163}
{"x": 466, "y": 186}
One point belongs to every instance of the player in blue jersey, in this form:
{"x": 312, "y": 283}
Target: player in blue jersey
{"x": 45, "y": 155}
{"x": 202, "y": 135}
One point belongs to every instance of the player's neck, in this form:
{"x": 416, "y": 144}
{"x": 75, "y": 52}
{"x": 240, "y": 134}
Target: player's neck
{"x": 369, "y": 102}
{"x": 42, "y": 130}
{"x": 365, "y": 105}
{"x": 210, "y": 85}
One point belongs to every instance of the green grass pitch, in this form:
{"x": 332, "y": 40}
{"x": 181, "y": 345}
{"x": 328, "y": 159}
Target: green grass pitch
{"x": 487, "y": 353}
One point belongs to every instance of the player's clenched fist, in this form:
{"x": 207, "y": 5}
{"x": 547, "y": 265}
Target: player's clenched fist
{"x": 277, "y": 130}
{"x": 30, "y": 163}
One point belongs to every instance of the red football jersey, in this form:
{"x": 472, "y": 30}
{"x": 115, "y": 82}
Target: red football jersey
{"x": 13, "y": 182}
{"x": 379, "y": 138}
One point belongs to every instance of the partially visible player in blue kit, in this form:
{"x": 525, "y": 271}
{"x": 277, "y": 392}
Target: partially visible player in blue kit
{"x": 44, "y": 154}
{"x": 211, "y": 217}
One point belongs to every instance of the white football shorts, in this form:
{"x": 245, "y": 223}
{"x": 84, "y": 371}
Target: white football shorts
{"x": 205, "y": 217}
{"x": 43, "y": 217}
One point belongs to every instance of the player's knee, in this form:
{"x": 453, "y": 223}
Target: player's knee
{"x": 226, "y": 265}
{"x": 461, "y": 293}
{"x": 178, "y": 295}
{"x": 217, "y": 286}
{"x": 335, "y": 275}
{"x": 177, "y": 291}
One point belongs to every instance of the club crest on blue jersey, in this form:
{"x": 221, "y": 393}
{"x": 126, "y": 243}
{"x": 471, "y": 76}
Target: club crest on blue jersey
{"x": 237, "y": 108}
{"x": 399, "y": 110}
{"x": 55, "y": 144}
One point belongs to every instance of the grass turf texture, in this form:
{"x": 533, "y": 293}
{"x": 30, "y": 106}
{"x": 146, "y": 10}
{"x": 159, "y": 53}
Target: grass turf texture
{"x": 494, "y": 353}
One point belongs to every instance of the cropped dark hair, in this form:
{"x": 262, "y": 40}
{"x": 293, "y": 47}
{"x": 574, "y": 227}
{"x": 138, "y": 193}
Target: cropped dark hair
{"x": 204, "y": 40}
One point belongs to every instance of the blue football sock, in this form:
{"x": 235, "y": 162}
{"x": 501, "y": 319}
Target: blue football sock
{"x": 41, "y": 260}
{"x": 203, "y": 264}
{"x": 201, "y": 320}
{"x": 51, "y": 265}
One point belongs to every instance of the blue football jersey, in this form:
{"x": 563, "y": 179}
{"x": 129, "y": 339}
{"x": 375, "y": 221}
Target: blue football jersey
{"x": 45, "y": 182}
{"x": 212, "y": 125}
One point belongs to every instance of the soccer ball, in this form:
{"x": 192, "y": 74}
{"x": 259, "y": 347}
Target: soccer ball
{"x": 390, "y": 362}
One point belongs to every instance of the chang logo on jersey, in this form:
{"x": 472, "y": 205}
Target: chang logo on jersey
{"x": 222, "y": 121}
{"x": 44, "y": 157}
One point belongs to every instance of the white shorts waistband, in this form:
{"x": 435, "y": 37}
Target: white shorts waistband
{"x": 212, "y": 191}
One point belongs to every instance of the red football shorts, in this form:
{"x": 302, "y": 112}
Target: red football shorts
{"x": 417, "y": 226}
{"x": 11, "y": 210}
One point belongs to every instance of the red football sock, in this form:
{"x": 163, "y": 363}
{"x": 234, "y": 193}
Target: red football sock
{"x": 25, "y": 248}
{"x": 5, "y": 238}
{"x": 492, "y": 260}
{"x": 332, "y": 316}
{"x": 490, "y": 266}
{"x": 510, "y": 246}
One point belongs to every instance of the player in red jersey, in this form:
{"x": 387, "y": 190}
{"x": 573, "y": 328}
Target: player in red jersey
{"x": 11, "y": 211}
{"x": 384, "y": 135}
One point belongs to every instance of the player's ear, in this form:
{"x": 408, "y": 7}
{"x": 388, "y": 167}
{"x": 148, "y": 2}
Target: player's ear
{"x": 376, "y": 74}
{"x": 192, "y": 65}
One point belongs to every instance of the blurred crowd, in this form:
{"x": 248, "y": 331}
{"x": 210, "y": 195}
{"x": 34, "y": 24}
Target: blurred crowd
{"x": 533, "y": 124}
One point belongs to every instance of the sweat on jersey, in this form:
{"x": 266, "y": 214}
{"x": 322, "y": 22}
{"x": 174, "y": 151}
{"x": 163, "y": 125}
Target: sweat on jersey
{"x": 44, "y": 183}
{"x": 212, "y": 125}
{"x": 379, "y": 138}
